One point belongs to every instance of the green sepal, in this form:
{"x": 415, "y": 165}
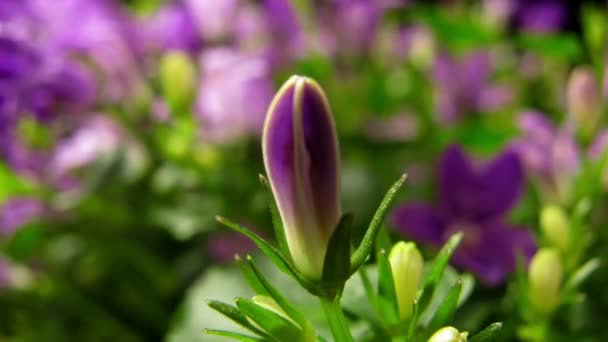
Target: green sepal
{"x": 275, "y": 256}
{"x": 234, "y": 335}
{"x": 367, "y": 243}
{"x": 488, "y": 334}
{"x": 436, "y": 270}
{"x": 277, "y": 223}
{"x": 387, "y": 297}
{"x": 336, "y": 266}
{"x": 251, "y": 278}
{"x": 446, "y": 310}
{"x": 276, "y": 325}
{"x": 271, "y": 291}
{"x": 235, "y": 315}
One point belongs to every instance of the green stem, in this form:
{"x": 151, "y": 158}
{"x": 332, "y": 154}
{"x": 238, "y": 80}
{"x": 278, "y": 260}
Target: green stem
{"x": 336, "y": 319}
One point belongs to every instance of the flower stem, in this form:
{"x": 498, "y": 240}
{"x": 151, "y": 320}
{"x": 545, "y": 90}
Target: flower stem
{"x": 336, "y": 319}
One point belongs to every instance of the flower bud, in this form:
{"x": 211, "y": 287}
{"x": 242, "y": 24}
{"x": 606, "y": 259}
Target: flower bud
{"x": 583, "y": 96}
{"x": 545, "y": 277}
{"x": 301, "y": 157}
{"x": 448, "y": 334}
{"x": 555, "y": 227}
{"x": 407, "y": 266}
{"x": 177, "y": 79}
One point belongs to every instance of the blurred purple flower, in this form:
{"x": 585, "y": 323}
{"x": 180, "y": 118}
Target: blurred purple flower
{"x": 463, "y": 86}
{"x": 173, "y": 27}
{"x": 17, "y": 212}
{"x": 224, "y": 246}
{"x": 474, "y": 201}
{"x": 234, "y": 94}
{"x": 285, "y": 31}
{"x": 542, "y": 16}
{"x": 549, "y": 153}
{"x": 215, "y": 17}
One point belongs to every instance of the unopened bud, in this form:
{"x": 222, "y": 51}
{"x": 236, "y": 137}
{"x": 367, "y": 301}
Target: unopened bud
{"x": 584, "y": 98}
{"x": 448, "y": 334}
{"x": 407, "y": 266}
{"x": 555, "y": 227}
{"x": 545, "y": 277}
{"x": 177, "y": 79}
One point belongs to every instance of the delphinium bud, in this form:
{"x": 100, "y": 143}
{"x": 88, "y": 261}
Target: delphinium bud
{"x": 448, "y": 334}
{"x": 301, "y": 157}
{"x": 178, "y": 80}
{"x": 555, "y": 227}
{"x": 545, "y": 277}
{"x": 407, "y": 266}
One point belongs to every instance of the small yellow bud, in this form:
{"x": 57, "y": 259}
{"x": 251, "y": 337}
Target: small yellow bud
{"x": 448, "y": 334}
{"x": 545, "y": 278}
{"x": 178, "y": 79}
{"x": 555, "y": 226}
{"x": 407, "y": 266}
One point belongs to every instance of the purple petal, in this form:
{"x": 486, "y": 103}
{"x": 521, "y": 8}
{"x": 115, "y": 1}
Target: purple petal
{"x": 17, "y": 212}
{"x": 224, "y": 246}
{"x": 494, "y": 255}
{"x": 421, "y": 222}
{"x": 503, "y": 182}
{"x": 458, "y": 183}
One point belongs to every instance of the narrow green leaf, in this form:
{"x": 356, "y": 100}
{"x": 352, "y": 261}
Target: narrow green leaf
{"x": 274, "y": 255}
{"x": 277, "y": 223}
{"x": 436, "y": 270}
{"x": 235, "y": 315}
{"x": 581, "y": 274}
{"x": 446, "y": 310}
{"x": 233, "y": 335}
{"x": 488, "y": 334}
{"x": 271, "y": 291}
{"x": 369, "y": 289}
{"x": 252, "y": 279}
{"x": 367, "y": 243}
{"x": 336, "y": 266}
{"x": 276, "y": 325}
{"x": 413, "y": 322}
{"x": 387, "y": 297}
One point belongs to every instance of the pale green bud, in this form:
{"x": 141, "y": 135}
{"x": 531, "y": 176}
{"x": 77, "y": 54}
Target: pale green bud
{"x": 555, "y": 227}
{"x": 178, "y": 79}
{"x": 448, "y": 334}
{"x": 407, "y": 266}
{"x": 545, "y": 278}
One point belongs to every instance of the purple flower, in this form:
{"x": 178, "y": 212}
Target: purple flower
{"x": 224, "y": 246}
{"x": 549, "y": 153}
{"x": 463, "y": 86}
{"x": 474, "y": 201}
{"x": 284, "y": 29}
{"x": 234, "y": 92}
{"x": 544, "y": 16}
{"x": 301, "y": 157}
{"x": 173, "y": 27}
{"x": 17, "y": 212}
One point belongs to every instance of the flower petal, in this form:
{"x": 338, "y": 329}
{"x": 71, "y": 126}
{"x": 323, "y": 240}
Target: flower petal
{"x": 421, "y": 222}
{"x": 458, "y": 183}
{"x": 503, "y": 181}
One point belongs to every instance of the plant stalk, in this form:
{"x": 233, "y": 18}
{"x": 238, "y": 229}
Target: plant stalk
{"x": 337, "y": 321}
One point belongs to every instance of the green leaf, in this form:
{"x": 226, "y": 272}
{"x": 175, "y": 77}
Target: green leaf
{"x": 387, "y": 297}
{"x": 274, "y": 255}
{"x": 235, "y": 315}
{"x": 276, "y": 295}
{"x": 437, "y": 268}
{"x": 277, "y": 223}
{"x": 564, "y": 46}
{"x": 336, "y": 266}
{"x": 581, "y": 274}
{"x": 233, "y": 335}
{"x": 276, "y": 325}
{"x": 489, "y": 334}
{"x": 252, "y": 279}
{"x": 367, "y": 243}
{"x": 446, "y": 310}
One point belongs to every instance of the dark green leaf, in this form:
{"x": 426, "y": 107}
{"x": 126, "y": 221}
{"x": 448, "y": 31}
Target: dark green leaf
{"x": 235, "y": 315}
{"x": 367, "y": 243}
{"x": 276, "y": 295}
{"x": 387, "y": 297}
{"x": 581, "y": 274}
{"x": 437, "y": 268}
{"x": 276, "y": 325}
{"x": 336, "y": 266}
{"x": 233, "y": 335}
{"x": 489, "y": 334}
{"x": 446, "y": 310}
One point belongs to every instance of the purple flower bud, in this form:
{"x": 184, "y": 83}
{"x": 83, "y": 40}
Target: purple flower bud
{"x": 301, "y": 156}
{"x": 583, "y": 96}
